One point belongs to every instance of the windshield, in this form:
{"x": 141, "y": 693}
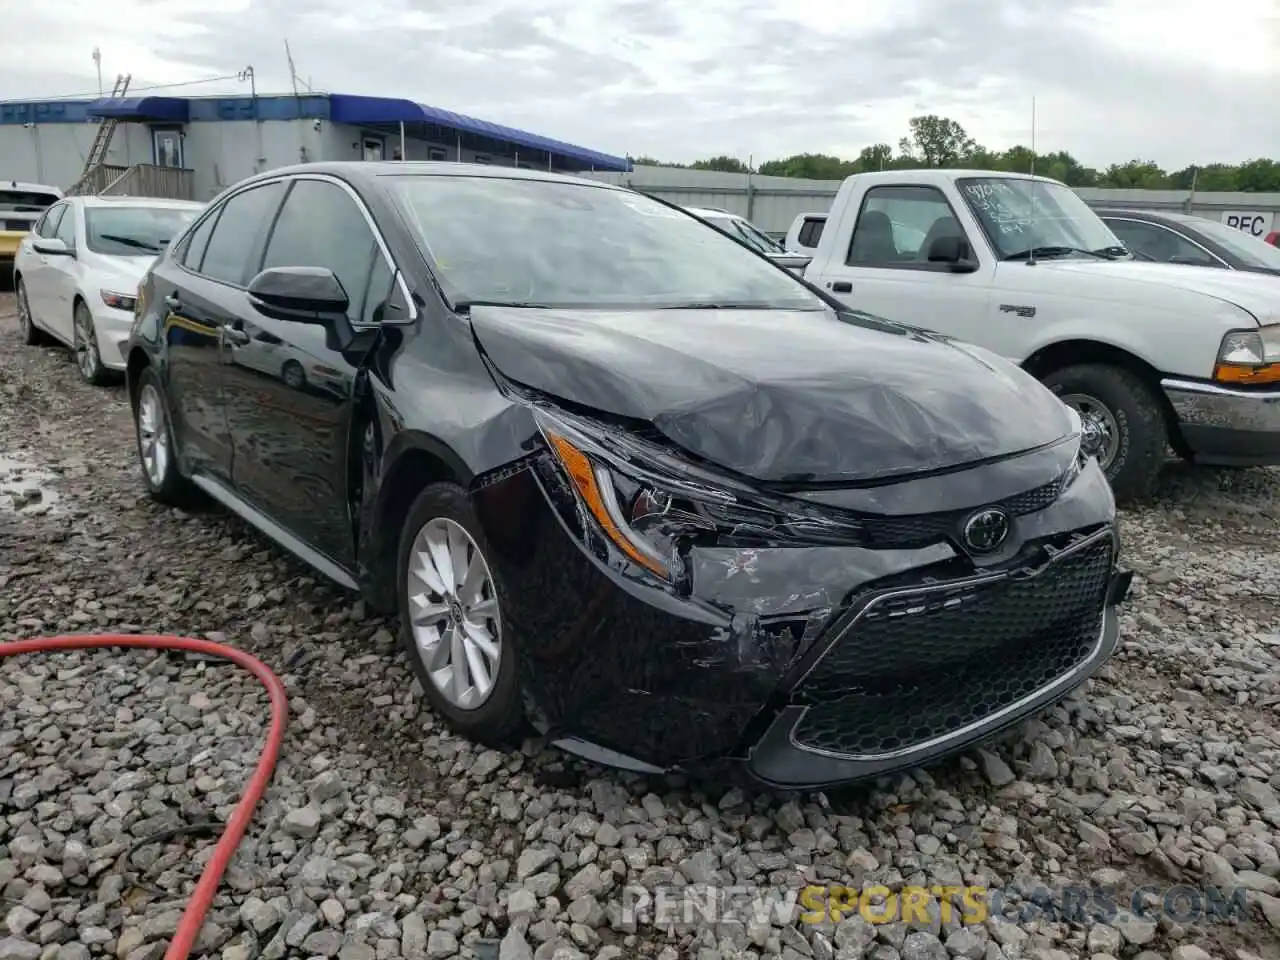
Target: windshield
{"x": 546, "y": 243}
{"x": 1250, "y": 250}
{"x": 1021, "y": 215}
{"x": 26, "y": 201}
{"x": 133, "y": 231}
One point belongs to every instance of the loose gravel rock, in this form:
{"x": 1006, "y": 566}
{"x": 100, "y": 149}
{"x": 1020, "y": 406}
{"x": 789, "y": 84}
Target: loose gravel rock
{"x": 383, "y": 836}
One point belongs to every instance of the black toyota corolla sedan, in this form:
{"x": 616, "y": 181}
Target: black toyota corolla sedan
{"x": 621, "y": 477}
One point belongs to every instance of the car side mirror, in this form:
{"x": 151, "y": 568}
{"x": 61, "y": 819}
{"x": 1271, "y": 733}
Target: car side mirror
{"x": 52, "y": 247}
{"x": 301, "y": 294}
{"x": 954, "y": 252}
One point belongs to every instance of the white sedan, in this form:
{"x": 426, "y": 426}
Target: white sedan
{"x": 76, "y": 273}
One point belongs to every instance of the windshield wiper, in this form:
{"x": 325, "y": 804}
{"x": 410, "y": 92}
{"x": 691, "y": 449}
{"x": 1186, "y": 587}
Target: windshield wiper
{"x": 1054, "y": 251}
{"x": 717, "y": 305}
{"x": 464, "y": 306}
{"x": 130, "y": 242}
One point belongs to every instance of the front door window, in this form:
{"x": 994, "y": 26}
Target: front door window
{"x": 168, "y": 144}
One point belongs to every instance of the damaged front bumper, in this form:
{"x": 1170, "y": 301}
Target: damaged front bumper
{"x": 912, "y": 674}
{"x": 807, "y": 666}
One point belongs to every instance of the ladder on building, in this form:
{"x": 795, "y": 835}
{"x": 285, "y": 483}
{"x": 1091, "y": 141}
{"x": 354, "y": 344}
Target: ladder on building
{"x": 102, "y": 140}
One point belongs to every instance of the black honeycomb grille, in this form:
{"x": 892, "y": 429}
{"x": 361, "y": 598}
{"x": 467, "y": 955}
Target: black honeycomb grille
{"x": 924, "y": 528}
{"x": 922, "y": 665}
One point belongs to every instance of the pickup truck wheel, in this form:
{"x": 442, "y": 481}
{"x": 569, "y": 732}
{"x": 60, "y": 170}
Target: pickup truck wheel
{"x": 1129, "y": 417}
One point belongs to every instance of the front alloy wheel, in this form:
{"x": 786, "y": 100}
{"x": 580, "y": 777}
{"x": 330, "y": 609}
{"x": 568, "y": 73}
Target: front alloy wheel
{"x": 454, "y": 613}
{"x": 449, "y": 597}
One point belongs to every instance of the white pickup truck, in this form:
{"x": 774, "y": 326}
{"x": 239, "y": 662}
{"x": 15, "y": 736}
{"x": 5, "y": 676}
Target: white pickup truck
{"x": 1151, "y": 355}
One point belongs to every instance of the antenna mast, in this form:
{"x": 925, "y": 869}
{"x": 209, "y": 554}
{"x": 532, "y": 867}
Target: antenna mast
{"x": 293, "y": 72}
{"x": 1031, "y": 253}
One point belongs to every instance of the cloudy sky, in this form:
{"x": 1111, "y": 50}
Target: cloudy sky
{"x": 1175, "y": 81}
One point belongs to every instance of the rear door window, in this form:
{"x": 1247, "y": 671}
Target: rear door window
{"x": 235, "y": 244}
{"x": 1153, "y": 242}
{"x": 192, "y": 256}
{"x": 810, "y": 233}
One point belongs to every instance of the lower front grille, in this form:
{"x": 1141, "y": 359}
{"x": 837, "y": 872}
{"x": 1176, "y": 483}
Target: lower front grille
{"x": 919, "y": 665}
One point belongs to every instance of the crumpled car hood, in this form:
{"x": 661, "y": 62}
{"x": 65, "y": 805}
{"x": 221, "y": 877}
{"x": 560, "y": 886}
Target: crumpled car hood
{"x": 780, "y": 395}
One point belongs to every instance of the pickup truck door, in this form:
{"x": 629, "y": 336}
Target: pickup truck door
{"x": 878, "y": 261}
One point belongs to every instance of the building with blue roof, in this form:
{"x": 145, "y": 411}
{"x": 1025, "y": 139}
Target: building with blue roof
{"x": 193, "y": 147}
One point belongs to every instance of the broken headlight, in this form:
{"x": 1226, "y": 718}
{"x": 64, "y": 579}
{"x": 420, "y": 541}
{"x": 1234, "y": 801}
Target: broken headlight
{"x": 654, "y": 506}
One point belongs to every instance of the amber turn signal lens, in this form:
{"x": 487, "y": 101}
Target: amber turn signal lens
{"x": 1245, "y": 374}
{"x": 583, "y": 476}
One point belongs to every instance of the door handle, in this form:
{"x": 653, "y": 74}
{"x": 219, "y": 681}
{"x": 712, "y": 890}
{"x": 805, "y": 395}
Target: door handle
{"x": 172, "y": 302}
{"x": 842, "y": 286}
{"x": 234, "y": 335}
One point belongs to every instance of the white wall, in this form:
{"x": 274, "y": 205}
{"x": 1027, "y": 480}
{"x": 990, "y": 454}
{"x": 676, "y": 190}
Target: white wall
{"x": 54, "y": 153}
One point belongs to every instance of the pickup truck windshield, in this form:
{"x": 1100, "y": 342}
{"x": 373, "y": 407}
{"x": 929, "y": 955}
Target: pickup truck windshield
{"x": 527, "y": 242}
{"x": 1022, "y": 215}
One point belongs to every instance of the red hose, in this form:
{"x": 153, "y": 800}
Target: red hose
{"x": 201, "y": 898}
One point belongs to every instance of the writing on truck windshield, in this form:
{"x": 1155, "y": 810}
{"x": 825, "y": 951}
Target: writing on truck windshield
{"x": 1019, "y": 216}
{"x": 529, "y": 242}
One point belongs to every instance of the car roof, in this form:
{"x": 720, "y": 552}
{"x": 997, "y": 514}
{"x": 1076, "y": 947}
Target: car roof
{"x": 29, "y": 187}
{"x": 128, "y": 201}
{"x": 1149, "y": 215}
{"x": 367, "y": 172}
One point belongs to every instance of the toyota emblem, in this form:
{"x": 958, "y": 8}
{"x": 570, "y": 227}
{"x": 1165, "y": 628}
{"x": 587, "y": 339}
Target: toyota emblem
{"x": 986, "y": 530}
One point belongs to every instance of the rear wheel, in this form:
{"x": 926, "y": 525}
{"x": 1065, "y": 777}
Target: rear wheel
{"x": 156, "y": 452}
{"x": 451, "y": 623}
{"x": 88, "y": 357}
{"x": 1128, "y": 416}
{"x": 31, "y": 335}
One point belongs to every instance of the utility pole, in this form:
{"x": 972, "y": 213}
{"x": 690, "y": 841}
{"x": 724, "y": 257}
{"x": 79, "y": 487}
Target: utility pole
{"x": 97, "y": 60}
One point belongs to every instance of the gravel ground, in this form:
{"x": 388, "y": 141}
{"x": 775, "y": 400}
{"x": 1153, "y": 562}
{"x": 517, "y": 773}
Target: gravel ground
{"x": 384, "y": 836}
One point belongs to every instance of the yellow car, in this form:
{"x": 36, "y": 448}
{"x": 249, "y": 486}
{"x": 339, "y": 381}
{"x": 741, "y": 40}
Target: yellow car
{"x": 21, "y": 205}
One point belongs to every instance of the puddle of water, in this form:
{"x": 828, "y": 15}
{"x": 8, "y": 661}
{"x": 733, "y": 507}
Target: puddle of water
{"x": 25, "y": 488}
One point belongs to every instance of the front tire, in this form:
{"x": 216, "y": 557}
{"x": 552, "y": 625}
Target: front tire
{"x": 451, "y": 623}
{"x": 88, "y": 357}
{"x": 32, "y": 336}
{"x": 156, "y": 452}
{"x": 1130, "y": 416}
{"x": 294, "y": 376}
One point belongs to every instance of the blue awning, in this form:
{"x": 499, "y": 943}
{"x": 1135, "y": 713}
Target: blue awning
{"x": 142, "y": 109}
{"x": 344, "y": 108}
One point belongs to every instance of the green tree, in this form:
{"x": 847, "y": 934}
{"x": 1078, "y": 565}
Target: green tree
{"x": 1135, "y": 175}
{"x": 723, "y": 164}
{"x": 937, "y": 142}
{"x": 878, "y": 156}
{"x": 810, "y": 166}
